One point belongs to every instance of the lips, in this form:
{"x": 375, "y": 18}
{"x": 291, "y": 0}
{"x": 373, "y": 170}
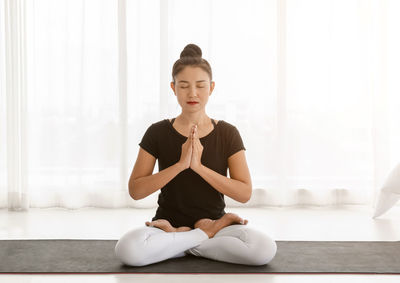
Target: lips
{"x": 192, "y": 102}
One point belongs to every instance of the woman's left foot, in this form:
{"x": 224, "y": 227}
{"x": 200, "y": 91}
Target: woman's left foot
{"x": 166, "y": 226}
{"x": 211, "y": 227}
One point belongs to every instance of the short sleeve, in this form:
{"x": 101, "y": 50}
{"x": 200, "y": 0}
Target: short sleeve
{"x": 149, "y": 141}
{"x": 235, "y": 142}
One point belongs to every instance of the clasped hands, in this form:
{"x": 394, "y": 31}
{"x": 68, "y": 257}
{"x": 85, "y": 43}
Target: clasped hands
{"x": 192, "y": 150}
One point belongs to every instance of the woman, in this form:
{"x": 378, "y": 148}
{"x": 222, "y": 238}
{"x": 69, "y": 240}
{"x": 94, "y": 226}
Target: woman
{"x": 193, "y": 153}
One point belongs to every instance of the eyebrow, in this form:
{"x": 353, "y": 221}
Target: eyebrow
{"x": 188, "y": 82}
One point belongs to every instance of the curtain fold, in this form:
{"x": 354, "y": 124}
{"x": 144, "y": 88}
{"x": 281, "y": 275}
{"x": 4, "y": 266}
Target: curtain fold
{"x": 311, "y": 86}
{"x": 16, "y": 84}
{"x": 123, "y": 106}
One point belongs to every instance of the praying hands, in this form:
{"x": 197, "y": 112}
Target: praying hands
{"x": 192, "y": 150}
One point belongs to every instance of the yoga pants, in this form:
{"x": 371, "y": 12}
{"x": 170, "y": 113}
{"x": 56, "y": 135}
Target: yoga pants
{"x": 235, "y": 244}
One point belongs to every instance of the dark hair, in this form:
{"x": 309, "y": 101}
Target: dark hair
{"x": 191, "y": 56}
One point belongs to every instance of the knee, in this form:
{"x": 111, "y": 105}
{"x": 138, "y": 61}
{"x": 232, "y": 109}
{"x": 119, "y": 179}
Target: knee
{"x": 130, "y": 248}
{"x": 264, "y": 250}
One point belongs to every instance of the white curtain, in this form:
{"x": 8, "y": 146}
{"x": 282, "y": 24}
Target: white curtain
{"x": 311, "y": 85}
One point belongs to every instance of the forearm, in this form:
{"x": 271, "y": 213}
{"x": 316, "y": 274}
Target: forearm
{"x": 232, "y": 188}
{"x": 144, "y": 186}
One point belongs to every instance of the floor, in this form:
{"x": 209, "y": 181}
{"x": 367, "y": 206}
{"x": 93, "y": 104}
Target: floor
{"x": 346, "y": 223}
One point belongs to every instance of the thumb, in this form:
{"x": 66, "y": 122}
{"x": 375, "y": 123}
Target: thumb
{"x": 190, "y": 137}
{"x": 194, "y": 131}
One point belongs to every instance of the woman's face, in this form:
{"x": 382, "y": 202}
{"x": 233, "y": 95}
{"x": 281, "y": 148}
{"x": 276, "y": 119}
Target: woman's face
{"x": 192, "y": 84}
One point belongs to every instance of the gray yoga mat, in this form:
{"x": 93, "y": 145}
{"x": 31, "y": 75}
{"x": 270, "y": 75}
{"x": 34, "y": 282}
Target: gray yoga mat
{"x": 97, "y": 256}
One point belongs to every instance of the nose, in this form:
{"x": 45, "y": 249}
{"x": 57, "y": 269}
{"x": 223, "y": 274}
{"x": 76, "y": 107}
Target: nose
{"x": 192, "y": 92}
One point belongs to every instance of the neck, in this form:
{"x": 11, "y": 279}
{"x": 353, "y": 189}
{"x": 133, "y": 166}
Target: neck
{"x": 190, "y": 119}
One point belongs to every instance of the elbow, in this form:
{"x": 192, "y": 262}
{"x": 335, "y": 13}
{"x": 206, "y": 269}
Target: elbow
{"x": 134, "y": 196}
{"x": 245, "y": 200}
{"x": 247, "y": 196}
{"x": 131, "y": 191}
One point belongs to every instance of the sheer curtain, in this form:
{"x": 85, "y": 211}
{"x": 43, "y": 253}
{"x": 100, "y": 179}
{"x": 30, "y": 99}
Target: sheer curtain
{"x": 311, "y": 86}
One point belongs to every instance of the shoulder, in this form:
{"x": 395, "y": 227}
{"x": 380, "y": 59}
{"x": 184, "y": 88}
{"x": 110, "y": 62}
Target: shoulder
{"x": 226, "y": 126}
{"x": 158, "y": 126}
{"x": 228, "y": 131}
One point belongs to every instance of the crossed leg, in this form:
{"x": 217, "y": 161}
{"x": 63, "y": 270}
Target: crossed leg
{"x": 146, "y": 245}
{"x": 238, "y": 244}
{"x": 214, "y": 239}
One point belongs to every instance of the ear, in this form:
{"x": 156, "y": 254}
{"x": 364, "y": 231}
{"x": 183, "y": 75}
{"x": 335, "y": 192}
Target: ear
{"x": 212, "y": 85}
{"x": 173, "y": 87}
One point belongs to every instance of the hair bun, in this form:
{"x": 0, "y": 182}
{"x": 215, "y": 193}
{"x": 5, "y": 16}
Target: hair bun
{"x": 191, "y": 50}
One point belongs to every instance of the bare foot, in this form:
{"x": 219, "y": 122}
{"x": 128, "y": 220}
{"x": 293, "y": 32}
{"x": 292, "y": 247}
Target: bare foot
{"x": 166, "y": 226}
{"x": 183, "y": 229}
{"x": 211, "y": 227}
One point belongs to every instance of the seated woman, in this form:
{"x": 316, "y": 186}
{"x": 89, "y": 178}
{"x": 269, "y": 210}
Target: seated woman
{"x": 194, "y": 153}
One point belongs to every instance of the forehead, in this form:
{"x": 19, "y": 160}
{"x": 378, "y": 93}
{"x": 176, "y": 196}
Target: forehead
{"x": 192, "y": 74}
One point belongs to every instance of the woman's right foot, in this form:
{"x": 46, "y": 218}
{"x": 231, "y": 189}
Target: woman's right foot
{"x": 211, "y": 227}
{"x": 164, "y": 225}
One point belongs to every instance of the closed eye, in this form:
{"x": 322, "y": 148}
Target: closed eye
{"x": 187, "y": 87}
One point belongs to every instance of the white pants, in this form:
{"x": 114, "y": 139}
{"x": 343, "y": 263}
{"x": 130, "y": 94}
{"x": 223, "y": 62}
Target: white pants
{"x": 235, "y": 244}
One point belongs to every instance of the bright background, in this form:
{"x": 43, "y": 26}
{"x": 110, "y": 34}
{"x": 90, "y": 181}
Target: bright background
{"x": 311, "y": 86}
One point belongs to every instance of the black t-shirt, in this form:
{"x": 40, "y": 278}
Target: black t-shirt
{"x": 188, "y": 197}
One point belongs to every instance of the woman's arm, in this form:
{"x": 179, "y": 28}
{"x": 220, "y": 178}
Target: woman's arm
{"x": 239, "y": 186}
{"x": 142, "y": 183}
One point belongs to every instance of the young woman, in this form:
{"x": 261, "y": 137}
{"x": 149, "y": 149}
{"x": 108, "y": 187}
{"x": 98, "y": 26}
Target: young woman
{"x": 194, "y": 153}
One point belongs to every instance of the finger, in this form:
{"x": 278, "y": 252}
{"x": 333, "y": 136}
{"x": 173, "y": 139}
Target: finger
{"x": 195, "y": 131}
